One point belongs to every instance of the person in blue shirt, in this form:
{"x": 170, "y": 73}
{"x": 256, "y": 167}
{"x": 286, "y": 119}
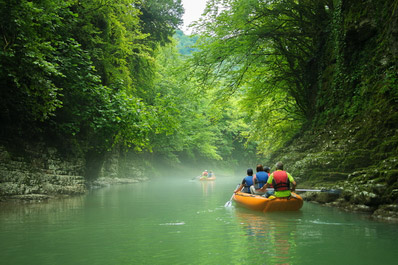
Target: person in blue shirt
{"x": 246, "y": 182}
{"x": 259, "y": 180}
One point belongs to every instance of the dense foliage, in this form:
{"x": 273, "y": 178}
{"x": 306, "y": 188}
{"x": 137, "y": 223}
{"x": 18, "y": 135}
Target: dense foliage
{"x": 99, "y": 75}
{"x": 67, "y": 67}
{"x": 318, "y": 83}
{"x": 95, "y": 75}
{"x": 267, "y": 51}
{"x": 298, "y": 64}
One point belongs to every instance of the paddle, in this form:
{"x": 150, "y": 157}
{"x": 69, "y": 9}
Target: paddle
{"x": 335, "y": 191}
{"x": 229, "y": 203}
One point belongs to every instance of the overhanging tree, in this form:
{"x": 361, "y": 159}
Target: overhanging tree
{"x": 268, "y": 51}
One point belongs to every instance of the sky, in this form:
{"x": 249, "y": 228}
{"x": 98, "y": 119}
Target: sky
{"x": 193, "y": 11}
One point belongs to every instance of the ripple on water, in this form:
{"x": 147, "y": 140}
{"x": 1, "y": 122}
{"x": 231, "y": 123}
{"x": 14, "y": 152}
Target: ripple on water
{"x": 176, "y": 223}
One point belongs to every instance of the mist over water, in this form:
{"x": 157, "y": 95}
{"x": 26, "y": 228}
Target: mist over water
{"x": 177, "y": 220}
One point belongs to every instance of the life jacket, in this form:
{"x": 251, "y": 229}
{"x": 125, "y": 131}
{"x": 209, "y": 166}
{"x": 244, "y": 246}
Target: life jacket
{"x": 205, "y": 174}
{"x": 261, "y": 178}
{"x": 280, "y": 180}
{"x": 248, "y": 183}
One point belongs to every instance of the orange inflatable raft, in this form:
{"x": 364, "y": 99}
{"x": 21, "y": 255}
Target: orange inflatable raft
{"x": 204, "y": 178}
{"x": 260, "y": 203}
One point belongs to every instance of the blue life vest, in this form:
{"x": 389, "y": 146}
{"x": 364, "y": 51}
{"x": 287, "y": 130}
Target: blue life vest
{"x": 261, "y": 179}
{"x": 248, "y": 183}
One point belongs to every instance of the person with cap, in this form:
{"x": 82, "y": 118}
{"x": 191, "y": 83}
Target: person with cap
{"x": 267, "y": 169}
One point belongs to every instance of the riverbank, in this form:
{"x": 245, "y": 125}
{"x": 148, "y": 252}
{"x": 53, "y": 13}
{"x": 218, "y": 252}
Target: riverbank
{"x": 36, "y": 172}
{"x": 73, "y": 190}
{"x": 387, "y": 212}
{"x": 354, "y": 156}
{"x": 353, "y": 201}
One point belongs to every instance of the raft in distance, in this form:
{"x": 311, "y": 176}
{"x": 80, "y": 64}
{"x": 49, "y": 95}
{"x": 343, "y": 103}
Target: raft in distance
{"x": 206, "y": 179}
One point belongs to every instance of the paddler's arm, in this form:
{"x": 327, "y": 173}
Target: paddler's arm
{"x": 239, "y": 188}
{"x": 264, "y": 188}
{"x": 268, "y": 184}
{"x": 254, "y": 179}
{"x": 294, "y": 184}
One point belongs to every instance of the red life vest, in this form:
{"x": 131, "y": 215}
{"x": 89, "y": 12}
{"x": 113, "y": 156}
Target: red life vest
{"x": 280, "y": 180}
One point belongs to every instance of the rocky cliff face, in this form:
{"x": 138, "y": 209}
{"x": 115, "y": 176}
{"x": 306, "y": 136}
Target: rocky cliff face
{"x": 38, "y": 172}
{"x": 339, "y": 157}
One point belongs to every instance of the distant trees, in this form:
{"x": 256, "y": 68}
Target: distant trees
{"x": 270, "y": 54}
{"x": 191, "y": 126}
{"x": 160, "y": 19}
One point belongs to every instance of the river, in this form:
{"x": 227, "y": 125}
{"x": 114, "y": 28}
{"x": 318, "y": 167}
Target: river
{"x": 180, "y": 221}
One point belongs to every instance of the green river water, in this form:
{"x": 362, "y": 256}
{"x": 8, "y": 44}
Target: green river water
{"x": 179, "y": 221}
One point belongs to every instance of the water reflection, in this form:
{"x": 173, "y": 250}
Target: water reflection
{"x": 49, "y": 212}
{"x": 274, "y": 234}
{"x": 207, "y": 187}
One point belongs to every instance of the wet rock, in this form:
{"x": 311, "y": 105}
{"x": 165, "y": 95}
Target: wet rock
{"x": 30, "y": 197}
{"x": 392, "y": 176}
{"x": 359, "y": 208}
{"x": 340, "y": 202}
{"x": 379, "y": 188}
{"x": 326, "y": 197}
{"x": 387, "y": 212}
{"x": 364, "y": 197}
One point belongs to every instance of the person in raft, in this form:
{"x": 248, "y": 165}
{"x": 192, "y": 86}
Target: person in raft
{"x": 267, "y": 169}
{"x": 259, "y": 180}
{"x": 281, "y": 181}
{"x": 255, "y": 189}
{"x": 246, "y": 182}
{"x": 205, "y": 173}
{"x": 269, "y": 192}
